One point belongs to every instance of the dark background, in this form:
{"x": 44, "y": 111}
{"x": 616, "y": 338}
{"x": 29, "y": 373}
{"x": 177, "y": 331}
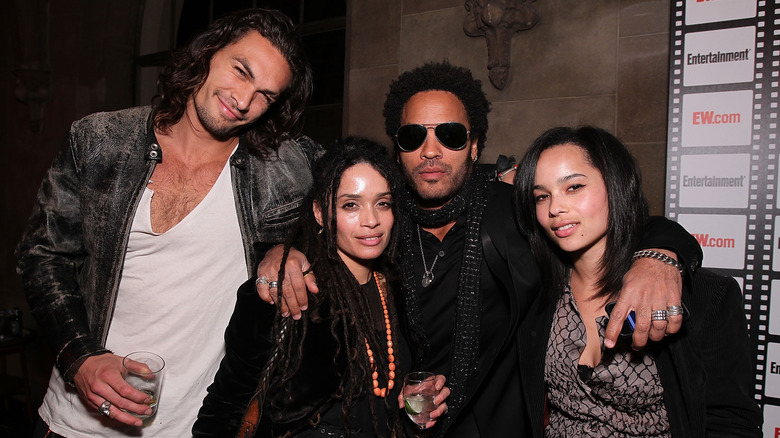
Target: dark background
{"x": 88, "y": 54}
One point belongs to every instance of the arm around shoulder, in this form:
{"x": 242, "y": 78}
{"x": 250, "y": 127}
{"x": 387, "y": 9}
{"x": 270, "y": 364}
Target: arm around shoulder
{"x": 663, "y": 233}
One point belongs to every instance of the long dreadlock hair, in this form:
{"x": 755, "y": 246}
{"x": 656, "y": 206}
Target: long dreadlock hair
{"x": 351, "y": 322}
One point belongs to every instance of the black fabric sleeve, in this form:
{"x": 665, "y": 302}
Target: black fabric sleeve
{"x": 50, "y": 256}
{"x": 725, "y": 348}
{"x": 663, "y": 233}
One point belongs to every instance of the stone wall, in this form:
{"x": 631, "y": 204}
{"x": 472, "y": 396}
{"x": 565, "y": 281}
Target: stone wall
{"x": 585, "y": 62}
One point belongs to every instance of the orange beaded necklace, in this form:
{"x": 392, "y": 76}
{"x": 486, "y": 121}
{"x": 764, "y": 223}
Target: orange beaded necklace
{"x": 381, "y": 392}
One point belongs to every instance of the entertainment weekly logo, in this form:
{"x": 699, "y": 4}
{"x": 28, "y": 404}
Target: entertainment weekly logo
{"x": 719, "y": 56}
{"x": 707, "y": 241}
{"x": 717, "y": 119}
{"x": 714, "y": 181}
{"x": 710, "y": 11}
{"x": 722, "y": 238}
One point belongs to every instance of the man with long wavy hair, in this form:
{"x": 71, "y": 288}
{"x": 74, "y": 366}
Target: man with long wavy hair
{"x": 145, "y": 223}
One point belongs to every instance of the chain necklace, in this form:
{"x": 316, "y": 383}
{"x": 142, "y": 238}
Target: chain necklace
{"x": 428, "y": 276}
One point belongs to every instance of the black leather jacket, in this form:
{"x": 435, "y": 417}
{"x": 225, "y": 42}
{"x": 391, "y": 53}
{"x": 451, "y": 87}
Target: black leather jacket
{"x": 70, "y": 257}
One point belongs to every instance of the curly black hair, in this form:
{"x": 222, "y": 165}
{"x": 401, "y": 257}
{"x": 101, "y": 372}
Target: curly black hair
{"x": 187, "y": 69}
{"x": 441, "y": 76}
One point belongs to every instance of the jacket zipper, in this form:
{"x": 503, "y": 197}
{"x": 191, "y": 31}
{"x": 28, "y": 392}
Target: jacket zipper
{"x": 126, "y": 239}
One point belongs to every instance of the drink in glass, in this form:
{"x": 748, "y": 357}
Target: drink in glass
{"x": 144, "y": 371}
{"x": 419, "y": 391}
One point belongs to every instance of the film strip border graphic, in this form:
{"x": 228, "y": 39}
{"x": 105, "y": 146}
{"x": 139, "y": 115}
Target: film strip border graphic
{"x": 763, "y": 207}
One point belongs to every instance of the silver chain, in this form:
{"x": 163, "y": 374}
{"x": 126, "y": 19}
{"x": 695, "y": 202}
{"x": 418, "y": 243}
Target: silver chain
{"x": 428, "y": 276}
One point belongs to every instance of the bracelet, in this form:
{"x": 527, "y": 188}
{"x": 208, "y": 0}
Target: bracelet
{"x": 501, "y": 175}
{"x": 658, "y": 256}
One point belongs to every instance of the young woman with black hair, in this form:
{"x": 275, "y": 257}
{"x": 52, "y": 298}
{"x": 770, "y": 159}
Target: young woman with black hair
{"x": 338, "y": 370}
{"x": 579, "y": 199}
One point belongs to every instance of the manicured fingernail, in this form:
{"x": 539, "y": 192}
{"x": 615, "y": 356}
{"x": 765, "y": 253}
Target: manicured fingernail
{"x": 608, "y": 343}
{"x": 297, "y": 317}
{"x": 304, "y": 307}
{"x": 285, "y": 314}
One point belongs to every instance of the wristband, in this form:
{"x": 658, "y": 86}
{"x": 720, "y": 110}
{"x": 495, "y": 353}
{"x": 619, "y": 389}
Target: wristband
{"x": 658, "y": 256}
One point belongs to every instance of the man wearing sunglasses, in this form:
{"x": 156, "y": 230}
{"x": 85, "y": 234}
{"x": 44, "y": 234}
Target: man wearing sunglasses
{"x": 468, "y": 273}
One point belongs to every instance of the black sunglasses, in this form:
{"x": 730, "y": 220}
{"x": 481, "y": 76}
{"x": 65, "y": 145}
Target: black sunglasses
{"x": 452, "y": 135}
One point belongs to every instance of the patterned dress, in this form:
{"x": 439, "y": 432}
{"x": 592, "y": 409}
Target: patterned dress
{"x": 621, "y": 397}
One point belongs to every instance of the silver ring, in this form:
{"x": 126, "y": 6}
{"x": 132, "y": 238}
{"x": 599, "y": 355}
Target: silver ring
{"x": 105, "y": 408}
{"x": 273, "y": 284}
{"x": 262, "y": 279}
{"x": 659, "y": 315}
{"x": 674, "y": 310}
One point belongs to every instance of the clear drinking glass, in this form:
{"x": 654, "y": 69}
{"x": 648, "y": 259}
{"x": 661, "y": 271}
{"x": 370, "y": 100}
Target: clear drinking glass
{"x": 144, "y": 371}
{"x": 419, "y": 391}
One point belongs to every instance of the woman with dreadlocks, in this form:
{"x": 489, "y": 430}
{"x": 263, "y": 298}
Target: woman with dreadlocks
{"x": 338, "y": 370}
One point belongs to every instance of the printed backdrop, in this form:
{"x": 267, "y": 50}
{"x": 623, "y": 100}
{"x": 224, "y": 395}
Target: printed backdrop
{"x": 722, "y": 159}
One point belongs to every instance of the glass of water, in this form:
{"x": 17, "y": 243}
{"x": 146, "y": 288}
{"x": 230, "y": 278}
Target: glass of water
{"x": 419, "y": 391}
{"x": 144, "y": 371}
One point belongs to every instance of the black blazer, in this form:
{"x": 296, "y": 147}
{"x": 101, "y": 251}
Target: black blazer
{"x": 508, "y": 270}
{"x": 706, "y": 369}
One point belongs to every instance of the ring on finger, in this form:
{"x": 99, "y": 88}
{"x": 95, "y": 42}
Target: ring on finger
{"x": 659, "y": 315}
{"x": 263, "y": 279}
{"x": 105, "y": 408}
{"x": 273, "y": 284}
{"x": 674, "y": 310}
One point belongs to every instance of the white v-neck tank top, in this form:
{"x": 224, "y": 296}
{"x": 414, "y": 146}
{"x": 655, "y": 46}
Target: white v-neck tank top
{"x": 175, "y": 298}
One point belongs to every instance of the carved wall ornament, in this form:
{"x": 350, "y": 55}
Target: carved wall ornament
{"x": 498, "y": 21}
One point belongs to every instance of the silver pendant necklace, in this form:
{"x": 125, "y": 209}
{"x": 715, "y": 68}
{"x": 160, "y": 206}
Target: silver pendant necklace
{"x": 428, "y": 276}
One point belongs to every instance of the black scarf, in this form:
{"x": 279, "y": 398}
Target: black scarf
{"x": 471, "y": 198}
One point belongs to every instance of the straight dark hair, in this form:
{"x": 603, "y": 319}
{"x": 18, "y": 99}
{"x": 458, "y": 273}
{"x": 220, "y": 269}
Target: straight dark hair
{"x": 628, "y": 207}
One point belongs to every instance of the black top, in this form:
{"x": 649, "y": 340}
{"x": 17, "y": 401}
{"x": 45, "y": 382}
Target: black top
{"x": 494, "y": 393}
{"x": 249, "y": 343}
{"x": 360, "y": 413}
{"x": 441, "y": 296}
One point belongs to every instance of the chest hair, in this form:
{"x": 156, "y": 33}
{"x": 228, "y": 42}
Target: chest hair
{"x": 178, "y": 189}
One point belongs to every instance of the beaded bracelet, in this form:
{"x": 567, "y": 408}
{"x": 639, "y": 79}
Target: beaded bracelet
{"x": 658, "y": 256}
